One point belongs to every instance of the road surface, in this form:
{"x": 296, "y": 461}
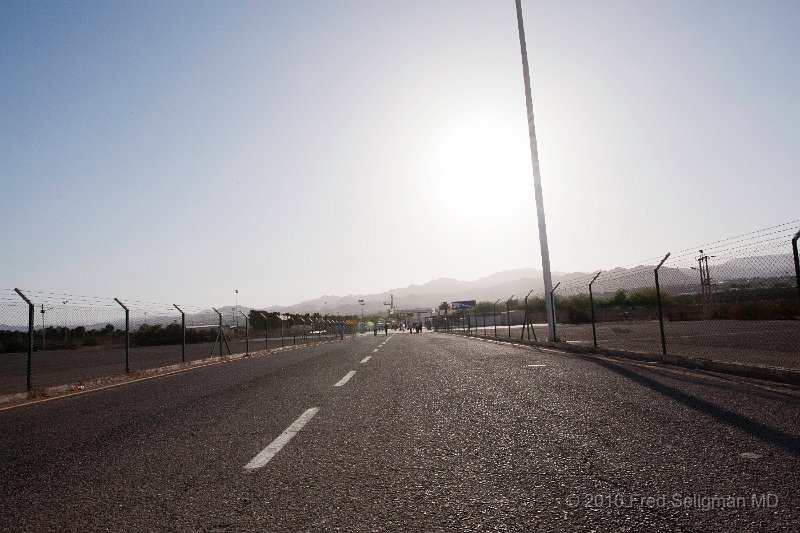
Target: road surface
{"x": 408, "y": 432}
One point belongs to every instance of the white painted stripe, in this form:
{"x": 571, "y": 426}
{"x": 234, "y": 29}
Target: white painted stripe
{"x": 536, "y": 365}
{"x": 366, "y": 359}
{"x": 345, "y": 379}
{"x": 275, "y": 446}
{"x": 375, "y": 350}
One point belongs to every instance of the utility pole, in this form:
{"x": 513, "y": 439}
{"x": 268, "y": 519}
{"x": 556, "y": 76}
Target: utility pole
{"x": 390, "y": 303}
{"x": 705, "y": 282}
{"x": 537, "y": 179}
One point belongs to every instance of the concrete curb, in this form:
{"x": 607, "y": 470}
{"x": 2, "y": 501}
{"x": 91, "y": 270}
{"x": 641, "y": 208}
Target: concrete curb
{"x": 121, "y": 379}
{"x": 780, "y": 375}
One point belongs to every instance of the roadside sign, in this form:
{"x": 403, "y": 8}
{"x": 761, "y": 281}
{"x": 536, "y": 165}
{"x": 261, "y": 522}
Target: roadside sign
{"x": 464, "y": 304}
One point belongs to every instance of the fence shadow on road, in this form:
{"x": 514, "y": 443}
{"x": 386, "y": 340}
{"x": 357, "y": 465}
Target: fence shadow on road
{"x": 777, "y": 437}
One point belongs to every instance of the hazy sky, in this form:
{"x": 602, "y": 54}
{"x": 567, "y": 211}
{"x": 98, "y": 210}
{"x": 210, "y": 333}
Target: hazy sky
{"x": 176, "y": 151}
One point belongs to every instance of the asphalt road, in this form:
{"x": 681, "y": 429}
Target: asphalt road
{"x": 432, "y": 432}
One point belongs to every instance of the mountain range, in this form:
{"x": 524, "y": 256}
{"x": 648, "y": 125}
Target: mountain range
{"x": 517, "y": 282}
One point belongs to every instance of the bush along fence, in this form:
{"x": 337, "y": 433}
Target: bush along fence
{"x": 735, "y": 300}
{"x": 49, "y": 339}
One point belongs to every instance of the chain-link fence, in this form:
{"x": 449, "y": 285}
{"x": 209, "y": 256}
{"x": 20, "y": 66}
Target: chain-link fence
{"x": 49, "y": 339}
{"x": 734, "y": 300}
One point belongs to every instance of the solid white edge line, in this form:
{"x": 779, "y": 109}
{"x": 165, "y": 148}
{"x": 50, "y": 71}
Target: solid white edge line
{"x": 275, "y": 446}
{"x": 366, "y": 359}
{"x": 345, "y": 379}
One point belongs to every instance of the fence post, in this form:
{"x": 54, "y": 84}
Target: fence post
{"x": 660, "y": 312}
{"x": 525, "y": 319}
{"x": 508, "y": 315}
{"x": 494, "y": 318}
{"x": 30, "y": 334}
{"x": 591, "y": 306}
{"x": 183, "y": 328}
{"x": 553, "y": 309}
{"x": 796, "y": 264}
{"x": 127, "y": 335}
{"x": 246, "y": 333}
{"x": 266, "y": 330}
{"x": 220, "y": 336}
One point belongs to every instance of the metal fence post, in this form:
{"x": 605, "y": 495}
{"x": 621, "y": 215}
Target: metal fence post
{"x": 553, "y": 309}
{"x": 220, "y": 336}
{"x": 30, "y": 334}
{"x": 183, "y": 329}
{"x": 508, "y": 314}
{"x": 525, "y": 319}
{"x": 494, "y": 318}
{"x": 127, "y": 335}
{"x": 796, "y": 264}
{"x": 246, "y": 333}
{"x": 591, "y": 306}
{"x": 266, "y": 330}
{"x": 660, "y": 312}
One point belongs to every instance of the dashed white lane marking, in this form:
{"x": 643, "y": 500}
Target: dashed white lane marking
{"x": 375, "y": 350}
{"x": 367, "y": 358}
{"x": 275, "y": 446}
{"x": 345, "y": 379}
{"x": 535, "y": 365}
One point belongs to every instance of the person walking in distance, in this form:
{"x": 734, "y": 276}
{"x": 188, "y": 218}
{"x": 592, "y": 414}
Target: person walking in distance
{"x": 341, "y": 331}
{"x": 386, "y": 329}
{"x": 375, "y": 329}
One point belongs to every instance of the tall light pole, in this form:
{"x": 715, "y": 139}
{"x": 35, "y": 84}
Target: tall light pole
{"x": 236, "y": 311}
{"x": 66, "y": 327}
{"x": 44, "y": 346}
{"x": 537, "y": 178}
{"x": 362, "y": 313}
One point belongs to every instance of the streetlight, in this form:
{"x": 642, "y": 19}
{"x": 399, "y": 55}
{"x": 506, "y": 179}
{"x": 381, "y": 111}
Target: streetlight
{"x": 236, "y": 311}
{"x": 43, "y": 326}
{"x": 362, "y": 314}
{"x": 66, "y": 328}
{"x": 537, "y": 178}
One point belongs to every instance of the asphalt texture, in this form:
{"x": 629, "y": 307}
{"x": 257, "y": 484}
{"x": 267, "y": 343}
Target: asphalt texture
{"x": 433, "y": 432}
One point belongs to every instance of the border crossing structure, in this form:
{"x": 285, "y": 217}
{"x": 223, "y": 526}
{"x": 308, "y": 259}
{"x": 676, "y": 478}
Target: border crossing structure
{"x": 419, "y": 311}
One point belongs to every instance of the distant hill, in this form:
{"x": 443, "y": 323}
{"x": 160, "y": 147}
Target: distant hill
{"x": 429, "y": 295}
{"x": 501, "y": 285}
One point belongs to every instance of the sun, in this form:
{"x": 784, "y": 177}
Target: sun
{"x": 471, "y": 157}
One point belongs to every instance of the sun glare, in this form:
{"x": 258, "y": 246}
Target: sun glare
{"x": 471, "y": 158}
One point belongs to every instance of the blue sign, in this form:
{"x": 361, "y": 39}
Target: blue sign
{"x": 464, "y": 304}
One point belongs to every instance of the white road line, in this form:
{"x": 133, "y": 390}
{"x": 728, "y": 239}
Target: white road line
{"x": 366, "y": 359}
{"x": 375, "y": 350}
{"x": 535, "y": 365}
{"x": 345, "y": 379}
{"x": 275, "y": 446}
